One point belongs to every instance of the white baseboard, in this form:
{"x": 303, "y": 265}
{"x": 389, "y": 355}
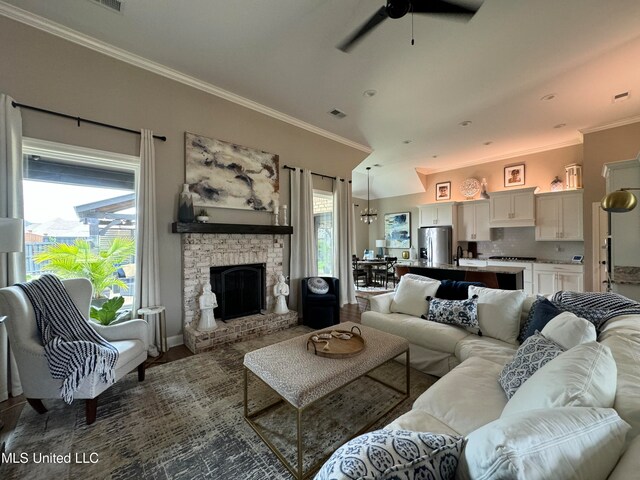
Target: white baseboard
{"x": 175, "y": 341}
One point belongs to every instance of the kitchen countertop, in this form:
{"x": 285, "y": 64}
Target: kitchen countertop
{"x": 446, "y": 266}
{"x": 539, "y": 260}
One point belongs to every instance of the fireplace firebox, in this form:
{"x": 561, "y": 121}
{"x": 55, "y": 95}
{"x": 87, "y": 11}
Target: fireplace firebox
{"x": 240, "y": 290}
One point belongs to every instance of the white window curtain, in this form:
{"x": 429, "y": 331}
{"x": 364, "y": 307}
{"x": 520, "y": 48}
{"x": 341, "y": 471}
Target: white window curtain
{"x": 304, "y": 257}
{"x": 343, "y": 240}
{"x": 12, "y": 266}
{"x": 147, "y": 266}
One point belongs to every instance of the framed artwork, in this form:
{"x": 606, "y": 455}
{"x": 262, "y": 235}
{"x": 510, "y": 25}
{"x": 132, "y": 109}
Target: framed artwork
{"x": 397, "y": 229}
{"x": 514, "y": 175}
{"x": 443, "y": 191}
{"x": 222, "y": 174}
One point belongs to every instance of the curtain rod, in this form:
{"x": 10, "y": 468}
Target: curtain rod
{"x": 287, "y": 167}
{"x": 80, "y": 119}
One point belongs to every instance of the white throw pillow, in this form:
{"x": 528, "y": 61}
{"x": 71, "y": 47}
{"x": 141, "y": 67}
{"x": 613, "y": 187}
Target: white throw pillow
{"x": 556, "y": 443}
{"x": 585, "y": 376}
{"x": 499, "y": 312}
{"x": 569, "y": 330}
{"x": 411, "y": 296}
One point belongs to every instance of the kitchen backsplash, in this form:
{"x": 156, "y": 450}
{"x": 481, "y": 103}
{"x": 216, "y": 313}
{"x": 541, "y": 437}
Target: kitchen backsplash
{"x": 521, "y": 242}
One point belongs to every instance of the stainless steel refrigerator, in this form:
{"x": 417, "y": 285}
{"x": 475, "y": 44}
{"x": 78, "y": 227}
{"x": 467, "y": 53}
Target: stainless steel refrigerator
{"x": 435, "y": 244}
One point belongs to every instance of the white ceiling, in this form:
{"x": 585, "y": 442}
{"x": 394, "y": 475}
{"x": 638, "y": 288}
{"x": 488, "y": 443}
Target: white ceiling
{"x": 492, "y": 71}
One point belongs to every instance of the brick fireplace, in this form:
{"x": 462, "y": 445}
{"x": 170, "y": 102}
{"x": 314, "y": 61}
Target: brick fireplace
{"x": 203, "y": 251}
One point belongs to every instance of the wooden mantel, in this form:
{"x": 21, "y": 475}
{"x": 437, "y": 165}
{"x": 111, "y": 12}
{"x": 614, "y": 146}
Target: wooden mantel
{"x": 179, "y": 227}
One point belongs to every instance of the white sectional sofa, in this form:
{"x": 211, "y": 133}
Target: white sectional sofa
{"x": 468, "y": 396}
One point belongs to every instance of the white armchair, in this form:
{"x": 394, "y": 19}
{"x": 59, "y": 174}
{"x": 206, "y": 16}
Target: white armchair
{"x": 129, "y": 338}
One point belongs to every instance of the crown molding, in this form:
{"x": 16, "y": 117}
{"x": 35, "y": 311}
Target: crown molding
{"x": 41, "y": 23}
{"x": 606, "y": 126}
{"x": 514, "y": 155}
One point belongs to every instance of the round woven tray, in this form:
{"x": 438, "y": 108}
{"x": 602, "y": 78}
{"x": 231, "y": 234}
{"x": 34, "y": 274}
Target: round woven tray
{"x": 338, "y": 348}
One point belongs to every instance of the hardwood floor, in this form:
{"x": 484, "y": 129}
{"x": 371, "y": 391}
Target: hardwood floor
{"x": 11, "y": 409}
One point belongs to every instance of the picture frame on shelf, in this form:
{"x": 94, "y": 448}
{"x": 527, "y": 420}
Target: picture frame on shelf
{"x": 514, "y": 175}
{"x": 443, "y": 191}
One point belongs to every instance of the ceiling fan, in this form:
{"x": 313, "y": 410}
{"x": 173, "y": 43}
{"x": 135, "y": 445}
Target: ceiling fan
{"x": 399, "y": 8}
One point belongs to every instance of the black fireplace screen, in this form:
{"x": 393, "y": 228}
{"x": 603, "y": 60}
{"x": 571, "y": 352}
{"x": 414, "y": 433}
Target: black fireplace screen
{"x": 240, "y": 290}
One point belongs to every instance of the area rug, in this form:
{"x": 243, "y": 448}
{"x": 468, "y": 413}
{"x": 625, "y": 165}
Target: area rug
{"x": 185, "y": 421}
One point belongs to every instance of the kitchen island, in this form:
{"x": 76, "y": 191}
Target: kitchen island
{"x": 506, "y": 278}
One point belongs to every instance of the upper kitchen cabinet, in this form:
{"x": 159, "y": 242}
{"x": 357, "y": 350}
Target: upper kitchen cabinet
{"x": 559, "y": 216}
{"x": 437, "y": 214}
{"x": 513, "y": 208}
{"x": 473, "y": 221}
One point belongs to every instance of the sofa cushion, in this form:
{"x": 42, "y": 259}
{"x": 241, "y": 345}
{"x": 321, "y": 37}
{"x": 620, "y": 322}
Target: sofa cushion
{"x": 626, "y": 352}
{"x": 318, "y": 285}
{"x": 536, "y": 351}
{"x": 499, "y": 312}
{"x": 461, "y": 313}
{"x": 486, "y": 347}
{"x": 386, "y": 454}
{"x": 568, "y": 330}
{"x": 542, "y": 312}
{"x": 418, "y": 420}
{"x": 411, "y": 296}
{"x": 473, "y": 387}
{"x": 629, "y": 464}
{"x": 430, "y": 335}
{"x": 558, "y": 443}
{"x": 584, "y": 376}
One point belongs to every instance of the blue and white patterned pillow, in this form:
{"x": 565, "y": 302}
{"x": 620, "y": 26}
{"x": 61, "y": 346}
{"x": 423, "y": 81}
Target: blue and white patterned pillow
{"x": 462, "y": 313}
{"x": 318, "y": 285}
{"x": 394, "y": 454}
{"x": 535, "y": 352}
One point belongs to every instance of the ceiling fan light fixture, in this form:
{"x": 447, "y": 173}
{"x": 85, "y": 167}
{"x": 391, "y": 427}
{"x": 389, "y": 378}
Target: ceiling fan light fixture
{"x": 620, "y": 201}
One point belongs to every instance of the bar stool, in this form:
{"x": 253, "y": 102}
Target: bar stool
{"x": 162, "y": 321}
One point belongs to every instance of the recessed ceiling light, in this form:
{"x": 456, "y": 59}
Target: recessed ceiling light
{"x": 549, "y": 96}
{"x": 466, "y": 123}
{"x": 621, "y": 97}
{"x": 434, "y": 156}
{"x": 377, "y": 164}
{"x": 406, "y": 142}
{"x": 369, "y": 93}
{"x": 560, "y": 125}
{"x": 487, "y": 143}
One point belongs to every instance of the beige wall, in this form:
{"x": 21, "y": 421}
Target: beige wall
{"x": 540, "y": 169}
{"x": 611, "y": 145}
{"x": 43, "y": 70}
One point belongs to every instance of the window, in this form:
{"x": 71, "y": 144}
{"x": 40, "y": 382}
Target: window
{"x": 323, "y": 228}
{"x": 79, "y": 210}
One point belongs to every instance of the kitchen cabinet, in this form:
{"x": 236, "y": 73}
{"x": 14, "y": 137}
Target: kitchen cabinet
{"x": 512, "y": 208}
{"x": 437, "y": 214}
{"x": 559, "y": 216}
{"x": 527, "y": 274}
{"x": 550, "y": 278}
{"x": 473, "y": 221}
{"x": 624, "y": 240}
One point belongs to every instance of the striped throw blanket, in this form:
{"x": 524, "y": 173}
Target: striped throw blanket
{"x": 597, "y": 307}
{"x": 73, "y": 349}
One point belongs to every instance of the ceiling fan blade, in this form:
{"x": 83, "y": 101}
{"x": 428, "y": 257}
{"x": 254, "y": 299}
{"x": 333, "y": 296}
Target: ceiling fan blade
{"x": 348, "y": 43}
{"x": 442, "y": 6}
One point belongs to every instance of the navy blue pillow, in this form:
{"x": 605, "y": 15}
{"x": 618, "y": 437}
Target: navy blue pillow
{"x": 455, "y": 289}
{"x": 543, "y": 312}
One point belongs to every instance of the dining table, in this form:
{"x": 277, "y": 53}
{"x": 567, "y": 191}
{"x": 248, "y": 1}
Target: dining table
{"x": 368, "y": 266}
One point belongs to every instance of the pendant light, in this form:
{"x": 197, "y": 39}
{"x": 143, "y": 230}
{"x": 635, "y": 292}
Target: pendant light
{"x": 620, "y": 201}
{"x": 368, "y": 215}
